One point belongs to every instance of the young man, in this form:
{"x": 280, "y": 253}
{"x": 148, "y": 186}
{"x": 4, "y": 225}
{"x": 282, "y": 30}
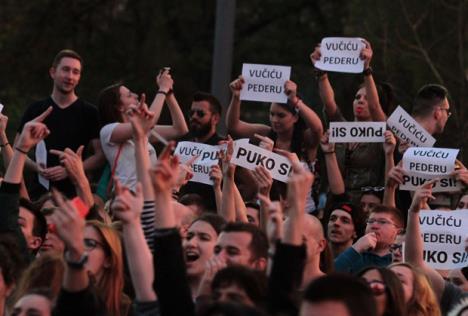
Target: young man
{"x": 72, "y": 123}
{"x": 33, "y": 225}
{"x": 243, "y": 244}
{"x": 431, "y": 108}
{"x": 383, "y": 225}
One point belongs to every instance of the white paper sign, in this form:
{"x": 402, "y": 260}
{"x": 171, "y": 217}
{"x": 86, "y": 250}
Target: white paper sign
{"x": 207, "y": 157}
{"x": 444, "y": 235}
{"x": 446, "y": 183}
{"x": 264, "y": 83}
{"x": 41, "y": 160}
{"x": 1, "y": 108}
{"x": 341, "y": 54}
{"x": 357, "y": 132}
{"x": 430, "y": 161}
{"x": 250, "y": 156}
{"x": 407, "y": 129}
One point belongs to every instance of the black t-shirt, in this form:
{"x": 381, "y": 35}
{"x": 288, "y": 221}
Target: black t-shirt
{"x": 69, "y": 127}
{"x": 204, "y": 190}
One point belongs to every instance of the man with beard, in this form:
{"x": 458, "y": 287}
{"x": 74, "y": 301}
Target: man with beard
{"x": 205, "y": 113}
{"x": 72, "y": 123}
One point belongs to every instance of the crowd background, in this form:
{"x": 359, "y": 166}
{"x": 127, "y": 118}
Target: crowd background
{"x": 414, "y": 42}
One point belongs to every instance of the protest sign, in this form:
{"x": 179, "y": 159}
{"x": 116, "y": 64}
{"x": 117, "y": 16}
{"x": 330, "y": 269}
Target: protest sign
{"x": 264, "y": 83}
{"x": 445, "y": 183}
{"x": 341, "y": 54}
{"x": 430, "y": 161}
{"x": 1, "y": 108}
{"x": 357, "y": 132}
{"x": 207, "y": 157}
{"x": 249, "y": 156}
{"x": 444, "y": 235}
{"x": 407, "y": 129}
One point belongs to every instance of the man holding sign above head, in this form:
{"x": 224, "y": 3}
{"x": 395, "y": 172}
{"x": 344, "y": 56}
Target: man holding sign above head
{"x": 294, "y": 126}
{"x": 361, "y": 163}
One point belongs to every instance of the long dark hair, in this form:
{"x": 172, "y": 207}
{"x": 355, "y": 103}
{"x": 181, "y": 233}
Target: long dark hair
{"x": 297, "y": 140}
{"x": 108, "y": 104}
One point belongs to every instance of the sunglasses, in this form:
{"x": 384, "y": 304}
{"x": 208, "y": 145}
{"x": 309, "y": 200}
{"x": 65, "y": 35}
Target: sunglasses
{"x": 372, "y": 189}
{"x": 199, "y": 113}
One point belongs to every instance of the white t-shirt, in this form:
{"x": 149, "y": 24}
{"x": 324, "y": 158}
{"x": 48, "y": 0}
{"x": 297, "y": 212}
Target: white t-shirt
{"x": 126, "y": 166}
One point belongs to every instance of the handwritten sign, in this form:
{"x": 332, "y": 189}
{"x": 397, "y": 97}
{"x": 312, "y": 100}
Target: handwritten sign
{"x": 208, "y": 156}
{"x": 444, "y": 235}
{"x": 250, "y": 156}
{"x": 407, "y": 129}
{"x": 341, "y": 54}
{"x": 354, "y": 132}
{"x": 264, "y": 83}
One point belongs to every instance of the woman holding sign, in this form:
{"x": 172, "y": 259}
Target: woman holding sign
{"x": 362, "y": 164}
{"x": 294, "y": 126}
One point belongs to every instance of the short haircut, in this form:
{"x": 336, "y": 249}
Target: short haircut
{"x": 259, "y": 243}
{"x": 352, "y": 292}
{"x": 40, "y": 223}
{"x": 215, "y": 105}
{"x": 66, "y": 53}
{"x": 427, "y": 98}
{"x": 253, "y": 282}
{"x": 393, "y": 211}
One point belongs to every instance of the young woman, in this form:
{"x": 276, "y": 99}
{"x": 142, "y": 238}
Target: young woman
{"x": 294, "y": 126}
{"x": 361, "y": 164}
{"x": 116, "y": 134}
{"x": 419, "y": 296}
{"x": 387, "y": 289}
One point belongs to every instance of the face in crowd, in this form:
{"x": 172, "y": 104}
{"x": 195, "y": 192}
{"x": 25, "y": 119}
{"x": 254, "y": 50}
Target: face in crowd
{"x": 442, "y": 114}
{"x": 202, "y": 120}
{"x": 127, "y": 98}
{"x": 396, "y": 249}
{"x": 199, "y": 247}
{"x": 384, "y": 227}
{"x": 368, "y": 202}
{"x": 463, "y": 203}
{"x": 341, "y": 228}
{"x": 32, "y": 304}
{"x": 52, "y": 243}
{"x": 66, "y": 75}
{"x": 360, "y": 106}
{"x": 281, "y": 119}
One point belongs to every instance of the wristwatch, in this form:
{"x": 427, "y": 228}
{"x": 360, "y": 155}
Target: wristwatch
{"x": 76, "y": 264}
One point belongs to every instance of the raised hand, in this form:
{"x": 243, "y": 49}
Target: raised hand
{"x": 33, "y": 132}
{"x": 395, "y": 177}
{"x": 366, "y": 54}
{"x": 216, "y": 175}
{"x": 225, "y": 157}
{"x": 165, "y": 173}
{"x": 72, "y": 162}
{"x": 422, "y": 195}
{"x": 127, "y": 206}
{"x": 3, "y": 123}
{"x": 236, "y": 86}
{"x": 274, "y": 227}
{"x": 263, "y": 180}
{"x": 390, "y": 143}
{"x": 141, "y": 118}
{"x": 164, "y": 81}
{"x": 290, "y": 88}
{"x": 325, "y": 144}
{"x": 265, "y": 142}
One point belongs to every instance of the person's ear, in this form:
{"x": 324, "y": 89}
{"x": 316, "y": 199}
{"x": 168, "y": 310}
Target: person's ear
{"x": 52, "y": 72}
{"x": 215, "y": 118}
{"x": 260, "y": 264}
{"x": 322, "y": 244}
{"x": 36, "y": 242}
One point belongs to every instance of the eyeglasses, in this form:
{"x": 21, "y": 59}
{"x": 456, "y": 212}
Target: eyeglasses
{"x": 377, "y": 287}
{"x": 91, "y": 244}
{"x": 372, "y": 189}
{"x": 446, "y": 110}
{"x": 395, "y": 247}
{"x": 199, "y": 113}
{"x": 380, "y": 222}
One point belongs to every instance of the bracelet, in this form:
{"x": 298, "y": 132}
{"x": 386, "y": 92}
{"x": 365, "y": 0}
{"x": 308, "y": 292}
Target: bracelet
{"x": 328, "y": 152}
{"x": 162, "y": 92}
{"x": 368, "y": 72}
{"x": 4, "y": 145}
{"x": 21, "y": 150}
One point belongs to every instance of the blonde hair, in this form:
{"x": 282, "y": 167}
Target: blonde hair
{"x": 111, "y": 283}
{"x": 423, "y": 302}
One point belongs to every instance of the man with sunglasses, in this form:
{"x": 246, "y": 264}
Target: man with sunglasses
{"x": 204, "y": 116}
{"x": 373, "y": 249}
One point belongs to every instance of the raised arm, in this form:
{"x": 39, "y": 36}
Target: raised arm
{"x": 392, "y": 179}
{"x": 312, "y": 120}
{"x": 375, "y": 109}
{"x": 335, "y": 179}
{"x": 179, "y": 125}
{"x": 128, "y": 207}
{"x": 228, "y": 206}
{"x": 414, "y": 244}
{"x": 235, "y": 126}
{"x": 327, "y": 95}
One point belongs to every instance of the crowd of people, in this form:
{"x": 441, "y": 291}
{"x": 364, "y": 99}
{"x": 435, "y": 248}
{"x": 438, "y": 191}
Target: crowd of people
{"x": 108, "y": 226}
